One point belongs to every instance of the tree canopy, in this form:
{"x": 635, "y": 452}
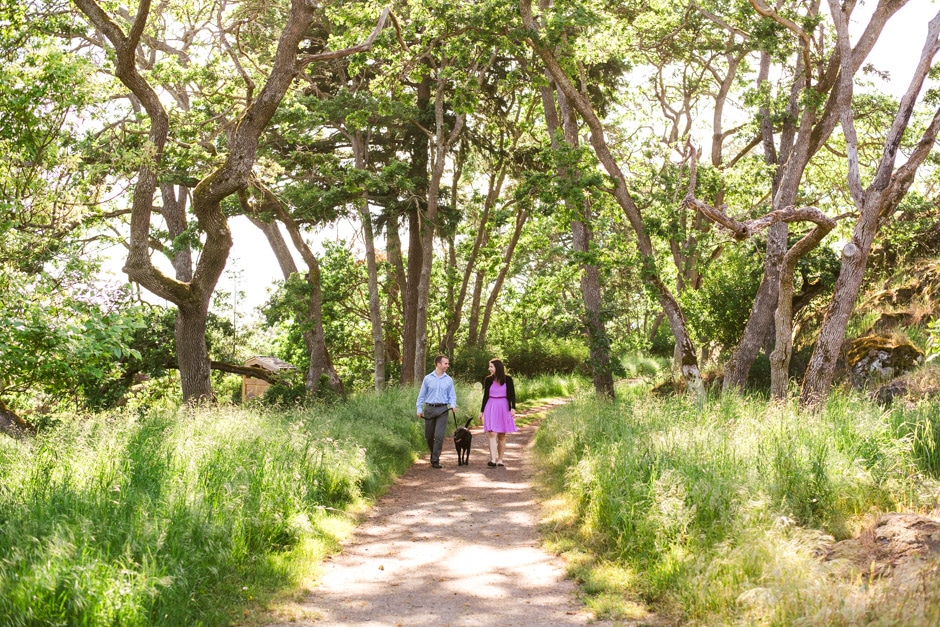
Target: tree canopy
{"x": 560, "y": 185}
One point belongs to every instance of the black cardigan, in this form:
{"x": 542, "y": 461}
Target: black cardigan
{"x": 510, "y": 391}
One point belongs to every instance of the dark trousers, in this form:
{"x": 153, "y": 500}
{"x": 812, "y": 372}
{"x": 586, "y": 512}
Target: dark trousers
{"x": 435, "y": 425}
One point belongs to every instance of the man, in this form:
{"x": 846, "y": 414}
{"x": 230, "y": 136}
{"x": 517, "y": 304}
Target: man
{"x": 437, "y": 396}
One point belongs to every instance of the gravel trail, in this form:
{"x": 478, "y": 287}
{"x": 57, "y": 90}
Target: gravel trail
{"x": 456, "y": 547}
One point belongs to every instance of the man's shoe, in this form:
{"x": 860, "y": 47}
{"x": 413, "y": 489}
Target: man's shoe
{"x": 435, "y": 465}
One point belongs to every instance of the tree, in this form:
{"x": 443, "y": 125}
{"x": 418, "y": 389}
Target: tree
{"x": 562, "y": 126}
{"x": 47, "y": 232}
{"x": 809, "y": 115}
{"x": 780, "y": 358}
{"x": 688, "y": 359}
{"x": 310, "y": 316}
{"x": 193, "y": 297}
{"x": 874, "y": 203}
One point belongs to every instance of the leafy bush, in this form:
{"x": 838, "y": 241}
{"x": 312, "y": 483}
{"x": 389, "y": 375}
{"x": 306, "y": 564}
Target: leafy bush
{"x": 531, "y": 359}
{"x": 914, "y": 232}
{"x": 719, "y": 310}
{"x": 470, "y": 363}
{"x": 555, "y": 356}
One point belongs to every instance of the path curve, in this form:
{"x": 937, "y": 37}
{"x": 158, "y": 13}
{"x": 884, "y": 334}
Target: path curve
{"x": 456, "y": 546}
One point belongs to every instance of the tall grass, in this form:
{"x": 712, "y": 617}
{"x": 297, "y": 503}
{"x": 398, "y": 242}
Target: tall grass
{"x": 181, "y": 517}
{"x": 716, "y": 513}
{"x": 640, "y": 365}
{"x": 533, "y": 389}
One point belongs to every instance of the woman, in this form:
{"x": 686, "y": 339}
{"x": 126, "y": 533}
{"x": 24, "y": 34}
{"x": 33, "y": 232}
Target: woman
{"x": 498, "y": 410}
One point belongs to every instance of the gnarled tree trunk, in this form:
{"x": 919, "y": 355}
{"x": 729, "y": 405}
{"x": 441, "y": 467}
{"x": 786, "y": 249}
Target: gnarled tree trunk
{"x": 312, "y": 320}
{"x": 193, "y": 297}
{"x": 803, "y": 133}
{"x": 874, "y": 203}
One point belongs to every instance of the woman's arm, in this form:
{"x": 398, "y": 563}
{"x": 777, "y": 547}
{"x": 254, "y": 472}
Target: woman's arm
{"x": 510, "y": 392}
{"x": 486, "y": 392}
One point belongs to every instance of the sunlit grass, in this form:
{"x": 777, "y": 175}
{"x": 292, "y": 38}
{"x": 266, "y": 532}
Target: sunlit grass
{"x": 181, "y": 517}
{"x": 640, "y": 365}
{"x": 715, "y": 514}
{"x": 531, "y": 391}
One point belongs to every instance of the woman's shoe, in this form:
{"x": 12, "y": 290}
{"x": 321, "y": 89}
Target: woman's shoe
{"x": 501, "y": 464}
{"x": 491, "y": 464}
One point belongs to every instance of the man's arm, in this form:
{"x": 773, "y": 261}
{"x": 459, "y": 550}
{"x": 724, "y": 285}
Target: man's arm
{"x": 421, "y": 396}
{"x": 452, "y": 395}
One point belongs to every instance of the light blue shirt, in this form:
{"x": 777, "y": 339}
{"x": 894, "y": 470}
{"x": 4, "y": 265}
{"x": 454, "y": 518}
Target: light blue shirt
{"x": 437, "y": 389}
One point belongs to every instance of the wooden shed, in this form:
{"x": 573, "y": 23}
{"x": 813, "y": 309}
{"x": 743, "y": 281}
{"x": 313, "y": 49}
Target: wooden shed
{"x": 252, "y": 387}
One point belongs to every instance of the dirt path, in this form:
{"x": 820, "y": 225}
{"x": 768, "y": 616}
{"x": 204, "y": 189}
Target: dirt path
{"x": 456, "y": 546}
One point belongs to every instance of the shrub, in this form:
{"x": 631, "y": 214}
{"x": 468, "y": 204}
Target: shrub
{"x": 548, "y": 357}
{"x": 470, "y": 363}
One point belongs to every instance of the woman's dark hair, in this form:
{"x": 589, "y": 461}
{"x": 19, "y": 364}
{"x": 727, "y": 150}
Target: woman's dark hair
{"x": 500, "y": 374}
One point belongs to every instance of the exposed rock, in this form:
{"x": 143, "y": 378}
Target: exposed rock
{"x": 887, "y": 393}
{"x": 919, "y": 385}
{"x": 880, "y": 358}
{"x": 895, "y": 543}
{"x": 13, "y": 425}
{"x": 888, "y": 321}
{"x": 921, "y": 285}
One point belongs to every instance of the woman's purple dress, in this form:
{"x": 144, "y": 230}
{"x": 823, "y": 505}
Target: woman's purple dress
{"x": 496, "y": 416}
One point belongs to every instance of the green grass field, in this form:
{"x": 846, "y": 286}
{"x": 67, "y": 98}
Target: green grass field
{"x": 195, "y": 516}
{"x": 703, "y": 514}
{"x": 714, "y": 514}
{"x": 186, "y": 517}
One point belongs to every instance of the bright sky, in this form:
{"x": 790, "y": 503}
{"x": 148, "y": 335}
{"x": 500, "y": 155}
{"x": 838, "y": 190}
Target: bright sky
{"x": 899, "y": 47}
{"x": 257, "y": 264}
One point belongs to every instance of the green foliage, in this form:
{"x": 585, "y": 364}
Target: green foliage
{"x": 933, "y": 340}
{"x": 913, "y": 233}
{"x": 469, "y": 363}
{"x": 345, "y": 308}
{"x": 61, "y": 345}
{"x": 719, "y": 310}
{"x": 279, "y": 313}
{"x": 707, "y": 505}
{"x": 167, "y": 518}
{"x": 548, "y": 356}
{"x": 663, "y": 343}
{"x": 286, "y": 395}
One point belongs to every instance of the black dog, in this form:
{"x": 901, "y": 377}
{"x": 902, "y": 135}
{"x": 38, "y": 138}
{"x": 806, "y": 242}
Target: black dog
{"x": 462, "y": 440}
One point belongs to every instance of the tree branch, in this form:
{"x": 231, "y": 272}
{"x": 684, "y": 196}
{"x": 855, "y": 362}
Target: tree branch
{"x": 805, "y": 43}
{"x": 345, "y": 52}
